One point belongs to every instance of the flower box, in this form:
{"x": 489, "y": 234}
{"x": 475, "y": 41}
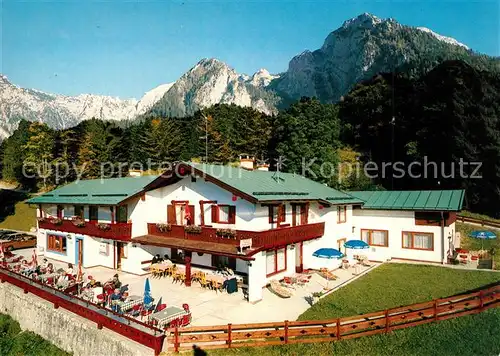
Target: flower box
{"x": 226, "y": 233}
{"x": 192, "y": 229}
{"x": 56, "y": 221}
{"x": 161, "y": 227}
{"x": 79, "y": 223}
{"x": 103, "y": 226}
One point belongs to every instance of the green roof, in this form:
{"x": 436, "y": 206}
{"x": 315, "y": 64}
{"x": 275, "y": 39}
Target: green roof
{"x": 271, "y": 186}
{"x": 110, "y": 191}
{"x": 433, "y": 200}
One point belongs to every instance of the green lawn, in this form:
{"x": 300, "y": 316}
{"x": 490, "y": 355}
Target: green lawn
{"x": 14, "y": 213}
{"x": 393, "y": 285}
{"x": 475, "y": 244}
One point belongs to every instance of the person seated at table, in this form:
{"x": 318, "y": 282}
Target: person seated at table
{"x": 116, "y": 282}
{"x": 125, "y": 297}
{"x": 156, "y": 259}
{"x": 166, "y": 258}
{"x": 69, "y": 271}
{"x": 50, "y": 268}
{"x": 92, "y": 282}
{"x": 25, "y": 267}
{"x": 115, "y": 297}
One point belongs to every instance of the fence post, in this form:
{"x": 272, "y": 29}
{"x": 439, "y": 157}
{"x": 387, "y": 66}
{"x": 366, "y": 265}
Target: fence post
{"x": 176, "y": 339}
{"x": 387, "y": 320}
{"x": 286, "y": 332}
{"x": 229, "y": 332}
{"x": 338, "y": 329}
{"x": 481, "y": 301}
{"x": 435, "y": 310}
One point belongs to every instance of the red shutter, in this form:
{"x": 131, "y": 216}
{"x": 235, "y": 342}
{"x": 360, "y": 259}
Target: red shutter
{"x": 304, "y": 214}
{"x": 271, "y": 220}
{"x": 191, "y": 213}
{"x": 215, "y": 214}
{"x": 171, "y": 215}
{"x": 282, "y": 216}
{"x": 232, "y": 214}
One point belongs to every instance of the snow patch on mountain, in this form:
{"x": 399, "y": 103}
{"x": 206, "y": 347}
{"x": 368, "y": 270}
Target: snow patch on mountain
{"x": 442, "y": 38}
{"x": 151, "y": 97}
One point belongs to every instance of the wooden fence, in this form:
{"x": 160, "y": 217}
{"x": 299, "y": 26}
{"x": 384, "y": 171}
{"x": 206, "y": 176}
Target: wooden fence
{"x": 312, "y": 331}
{"x": 482, "y": 222}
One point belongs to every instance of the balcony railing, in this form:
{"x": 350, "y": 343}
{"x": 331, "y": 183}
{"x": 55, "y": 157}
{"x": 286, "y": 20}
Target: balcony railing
{"x": 117, "y": 231}
{"x": 260, "y": 239}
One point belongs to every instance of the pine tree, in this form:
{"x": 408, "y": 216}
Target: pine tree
{"x": 39, "y": 153}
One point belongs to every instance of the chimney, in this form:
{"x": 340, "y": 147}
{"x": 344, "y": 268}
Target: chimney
{"x": 135, "y": 172}
{"x": 247, "y": 162}
{"x": 263, "y": 167}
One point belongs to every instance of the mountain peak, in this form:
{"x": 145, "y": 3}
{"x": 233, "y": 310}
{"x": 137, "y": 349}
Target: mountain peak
{"x": 4, "y": 79}
{"x": 364, "y": 20}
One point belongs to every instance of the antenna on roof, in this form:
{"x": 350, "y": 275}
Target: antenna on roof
{"x": 279, "y": 164}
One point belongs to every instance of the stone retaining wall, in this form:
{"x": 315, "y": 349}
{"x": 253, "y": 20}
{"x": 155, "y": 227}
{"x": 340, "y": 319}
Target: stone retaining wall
{"x": 68, "y": 331}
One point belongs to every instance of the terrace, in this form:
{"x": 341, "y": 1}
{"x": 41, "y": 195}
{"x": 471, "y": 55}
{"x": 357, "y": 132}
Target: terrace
{"x": 259, "y": 239}
{"x": 114, "y": 231}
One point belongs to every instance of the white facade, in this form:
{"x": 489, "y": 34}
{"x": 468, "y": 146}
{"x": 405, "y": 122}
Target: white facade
{"x": 151, "y": 207}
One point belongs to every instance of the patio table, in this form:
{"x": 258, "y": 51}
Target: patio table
{"x": 131, "y": 302}
{"x": 44, "y": 277}
{"x": 167, "y": 315}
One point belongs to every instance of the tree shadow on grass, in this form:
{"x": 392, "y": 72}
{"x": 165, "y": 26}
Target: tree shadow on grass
{"x": 8, "y": 201}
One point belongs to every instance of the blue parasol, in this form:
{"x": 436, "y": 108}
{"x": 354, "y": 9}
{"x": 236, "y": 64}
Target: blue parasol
{"x": 148, "y": 299}
{"x": 356, "y": 245}
{"x": 328, "y": 253}
{"x": 483, "y": 235}
{"x": 158, "y": 305}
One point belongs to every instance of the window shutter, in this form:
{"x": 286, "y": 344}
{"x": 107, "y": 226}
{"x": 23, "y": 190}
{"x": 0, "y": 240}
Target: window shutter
{"x": 304, "y": 214}
{"x": 215, "y": 214}
{"x": 232, "y": 214}
{"x": 271, "y": 220}
{"x": 282, "y": 216}
{"x": 171, "y": 214}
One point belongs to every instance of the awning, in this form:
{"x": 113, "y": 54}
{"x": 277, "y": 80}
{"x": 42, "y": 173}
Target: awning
{"x": 192, "y": 245}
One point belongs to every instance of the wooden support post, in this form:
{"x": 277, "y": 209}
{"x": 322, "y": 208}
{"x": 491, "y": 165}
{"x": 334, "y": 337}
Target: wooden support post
{"x": 229, "y": 337}
{"x": 25, "y": 291}
{"x": 99, "y": 326}
{"x": 176, "y": 339}
{"x": 338, "y": 329}
{"x": 187, "y": 261}
{"x": 481, "y": 301}
{"x": 435, "y": 310}
{"x": 286, "y": 332}
{"x": 56, "y": 306}
{"x": 387, "y": 328}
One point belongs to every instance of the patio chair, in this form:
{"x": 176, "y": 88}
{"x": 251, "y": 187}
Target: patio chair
{"x": 203, "y": 281}
{"x": 217, "y": 286}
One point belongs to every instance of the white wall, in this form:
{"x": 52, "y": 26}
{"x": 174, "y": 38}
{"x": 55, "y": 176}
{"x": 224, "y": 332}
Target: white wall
{"x": 397, "y": 221}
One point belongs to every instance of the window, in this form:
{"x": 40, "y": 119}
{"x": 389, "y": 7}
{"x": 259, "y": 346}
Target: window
{"x": 223, "y": 261}
{"x": 275, "y": 261}
{"x": 121, "y": 214}
{"x": 277, "y": 212}
{"x": 418, "y": 240}
{"x": 93, "y": 213}
{"x": 341, "y": 214}
{"x": 59, "y": 212}
{"x": 56, "y": 243}
{"x": 300, "y": 214}
{"x": 224, "y": 214}
{"x": 79, "y": 211}
{"x": 375, "y": 237}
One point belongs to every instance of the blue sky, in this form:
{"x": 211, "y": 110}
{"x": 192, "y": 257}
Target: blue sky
{"x": 123, "y": 48}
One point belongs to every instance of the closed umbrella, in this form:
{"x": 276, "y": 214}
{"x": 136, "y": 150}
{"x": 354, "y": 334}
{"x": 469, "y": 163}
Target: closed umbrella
{"x": 328, "y": 253}
{"x": 148, "y": 299}
{"x": 483, "y": 235}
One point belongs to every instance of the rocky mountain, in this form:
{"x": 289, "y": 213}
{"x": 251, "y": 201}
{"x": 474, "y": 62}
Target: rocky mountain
{"x": 211, "y": 82}
{"x": 60, "y": 111}
{"x": 363, "y": 47}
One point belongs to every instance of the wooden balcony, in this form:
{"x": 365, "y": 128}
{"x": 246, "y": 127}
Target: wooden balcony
{"x": 117, "y": 231}
{"x": 260, "y": 239}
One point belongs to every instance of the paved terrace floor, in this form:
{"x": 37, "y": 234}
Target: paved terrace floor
{"x": 214, "y": 308}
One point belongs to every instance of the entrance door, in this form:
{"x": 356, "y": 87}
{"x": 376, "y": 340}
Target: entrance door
{"x": 298, "y": 258}
{"x": 119, "y": 254}
{"x": 79, "y": 252}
